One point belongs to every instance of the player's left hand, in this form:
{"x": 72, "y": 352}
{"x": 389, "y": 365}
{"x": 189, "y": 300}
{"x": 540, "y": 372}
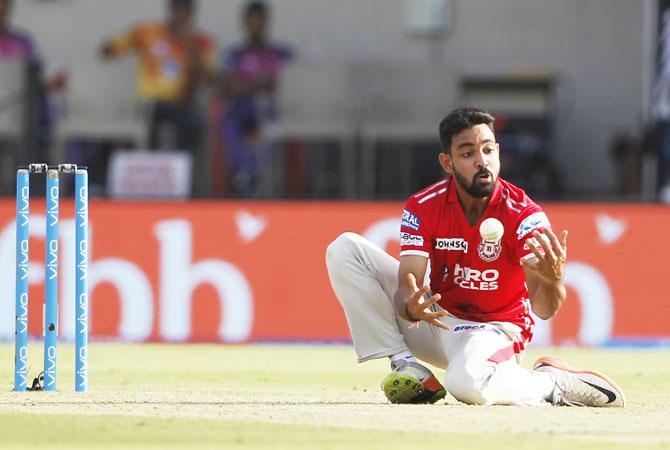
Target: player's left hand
{"x": 550, "y": 254}
{"x": 419, "y": 308}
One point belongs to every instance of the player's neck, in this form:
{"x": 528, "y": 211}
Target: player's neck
{"x": 179, "y": 28}
{"x": 473, "y": 208}
{"x": 256, "y": 41}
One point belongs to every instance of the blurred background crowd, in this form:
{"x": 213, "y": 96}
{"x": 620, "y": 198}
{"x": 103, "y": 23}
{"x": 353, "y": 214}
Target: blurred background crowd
{"x": 318, "y": 99}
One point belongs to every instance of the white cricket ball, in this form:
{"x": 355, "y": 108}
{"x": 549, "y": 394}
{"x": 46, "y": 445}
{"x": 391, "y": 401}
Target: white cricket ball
{"x": 491, "y": 229}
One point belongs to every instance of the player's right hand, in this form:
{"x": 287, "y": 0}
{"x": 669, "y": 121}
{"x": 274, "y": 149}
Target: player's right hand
{"x": 418, "y": 307}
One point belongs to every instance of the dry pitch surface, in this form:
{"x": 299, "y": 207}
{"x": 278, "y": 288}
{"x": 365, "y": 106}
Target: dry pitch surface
{"x": 311, "y": 397}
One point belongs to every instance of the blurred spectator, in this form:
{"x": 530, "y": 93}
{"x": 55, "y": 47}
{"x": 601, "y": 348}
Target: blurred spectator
{"x": 656, "y": 144}
{"x": 16, "y": 45}
{"x": 544, "y": 180}
{"x": 626, "y": 154}
{"x": 249, "y": 82}
{"x": 174, "y": 58}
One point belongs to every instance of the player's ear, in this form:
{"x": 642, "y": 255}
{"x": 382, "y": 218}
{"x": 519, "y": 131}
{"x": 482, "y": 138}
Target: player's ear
{"x": 445, "y": 162}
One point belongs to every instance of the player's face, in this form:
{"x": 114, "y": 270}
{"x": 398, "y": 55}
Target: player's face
{"x": 474, "y": 160}
{"x": 255, "y": 24}
{"x": 181, "y": 13}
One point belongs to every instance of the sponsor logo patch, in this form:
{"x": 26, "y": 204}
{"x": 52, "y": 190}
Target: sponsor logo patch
{"x": 464, "y": 327}
{"x": 411, "y": 239}
{"x": 410, "y": 220}
{"x": 532, "y": 222}
{"x": 477, "y": 280}
{"x": 480, "y": 327}
{"x": 458, "y": 244}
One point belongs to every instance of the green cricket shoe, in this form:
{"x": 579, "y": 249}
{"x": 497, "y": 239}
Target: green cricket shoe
{"x": 410, "y": 382}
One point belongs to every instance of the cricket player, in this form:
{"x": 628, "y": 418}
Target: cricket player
{"x": 472, "y": 317}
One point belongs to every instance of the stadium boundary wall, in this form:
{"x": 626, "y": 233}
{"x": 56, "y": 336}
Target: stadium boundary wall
{"x": 254, "y": 271}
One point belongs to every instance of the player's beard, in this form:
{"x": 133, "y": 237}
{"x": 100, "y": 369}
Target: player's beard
{"x": 473, "y": 188}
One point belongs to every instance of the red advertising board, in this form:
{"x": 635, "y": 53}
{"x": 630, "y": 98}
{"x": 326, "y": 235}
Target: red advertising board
{"x": 250, "y": 271}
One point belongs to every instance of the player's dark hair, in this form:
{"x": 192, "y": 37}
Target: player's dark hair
{"x": 255, "y": 7}
{"x": 460, "y": 120}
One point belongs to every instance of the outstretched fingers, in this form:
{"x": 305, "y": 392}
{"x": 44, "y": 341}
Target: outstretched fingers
{"x": 529, "y": 263}
{"x": 558, "y": 246}
{"x": 420, "y": 307}
{"x": 427, "y": 303}
{"x": 564, "y": 242}
{"x": 534, "y": 247}
{"x": 437, "y": 323}
{"x": 411, "y": 281}
{"x": 545, "y": 244}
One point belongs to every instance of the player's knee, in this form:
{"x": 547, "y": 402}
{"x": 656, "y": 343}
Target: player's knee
{"x": 466, "y": 382}
{"x": 340, "y": 249}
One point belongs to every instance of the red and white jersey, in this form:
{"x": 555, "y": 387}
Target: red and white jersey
{"x": 478, "y": 280}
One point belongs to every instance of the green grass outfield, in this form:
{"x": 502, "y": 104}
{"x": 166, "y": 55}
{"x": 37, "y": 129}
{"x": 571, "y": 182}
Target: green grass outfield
{"x": 309, "y": 397}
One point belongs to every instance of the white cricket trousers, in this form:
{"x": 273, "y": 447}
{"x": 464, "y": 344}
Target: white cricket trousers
{"x": 480, "y": 364}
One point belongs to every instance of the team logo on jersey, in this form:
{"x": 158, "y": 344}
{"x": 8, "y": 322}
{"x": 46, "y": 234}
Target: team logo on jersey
{"x": 410, "y": 220}
{"x": 411, "y": 239}
{"x": 459, "y": 244}
{"x": 489, "y": 250}
{"x": 532, "y": 222}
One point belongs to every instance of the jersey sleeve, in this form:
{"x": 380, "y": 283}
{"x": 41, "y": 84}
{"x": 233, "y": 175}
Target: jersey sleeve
{"x": 531, "y": 218}
{"x": 415, "y": 238}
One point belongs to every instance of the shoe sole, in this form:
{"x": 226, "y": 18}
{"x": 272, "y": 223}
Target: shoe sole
{"x": 562, "y": 365}
{"x": 405, "y": 388}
